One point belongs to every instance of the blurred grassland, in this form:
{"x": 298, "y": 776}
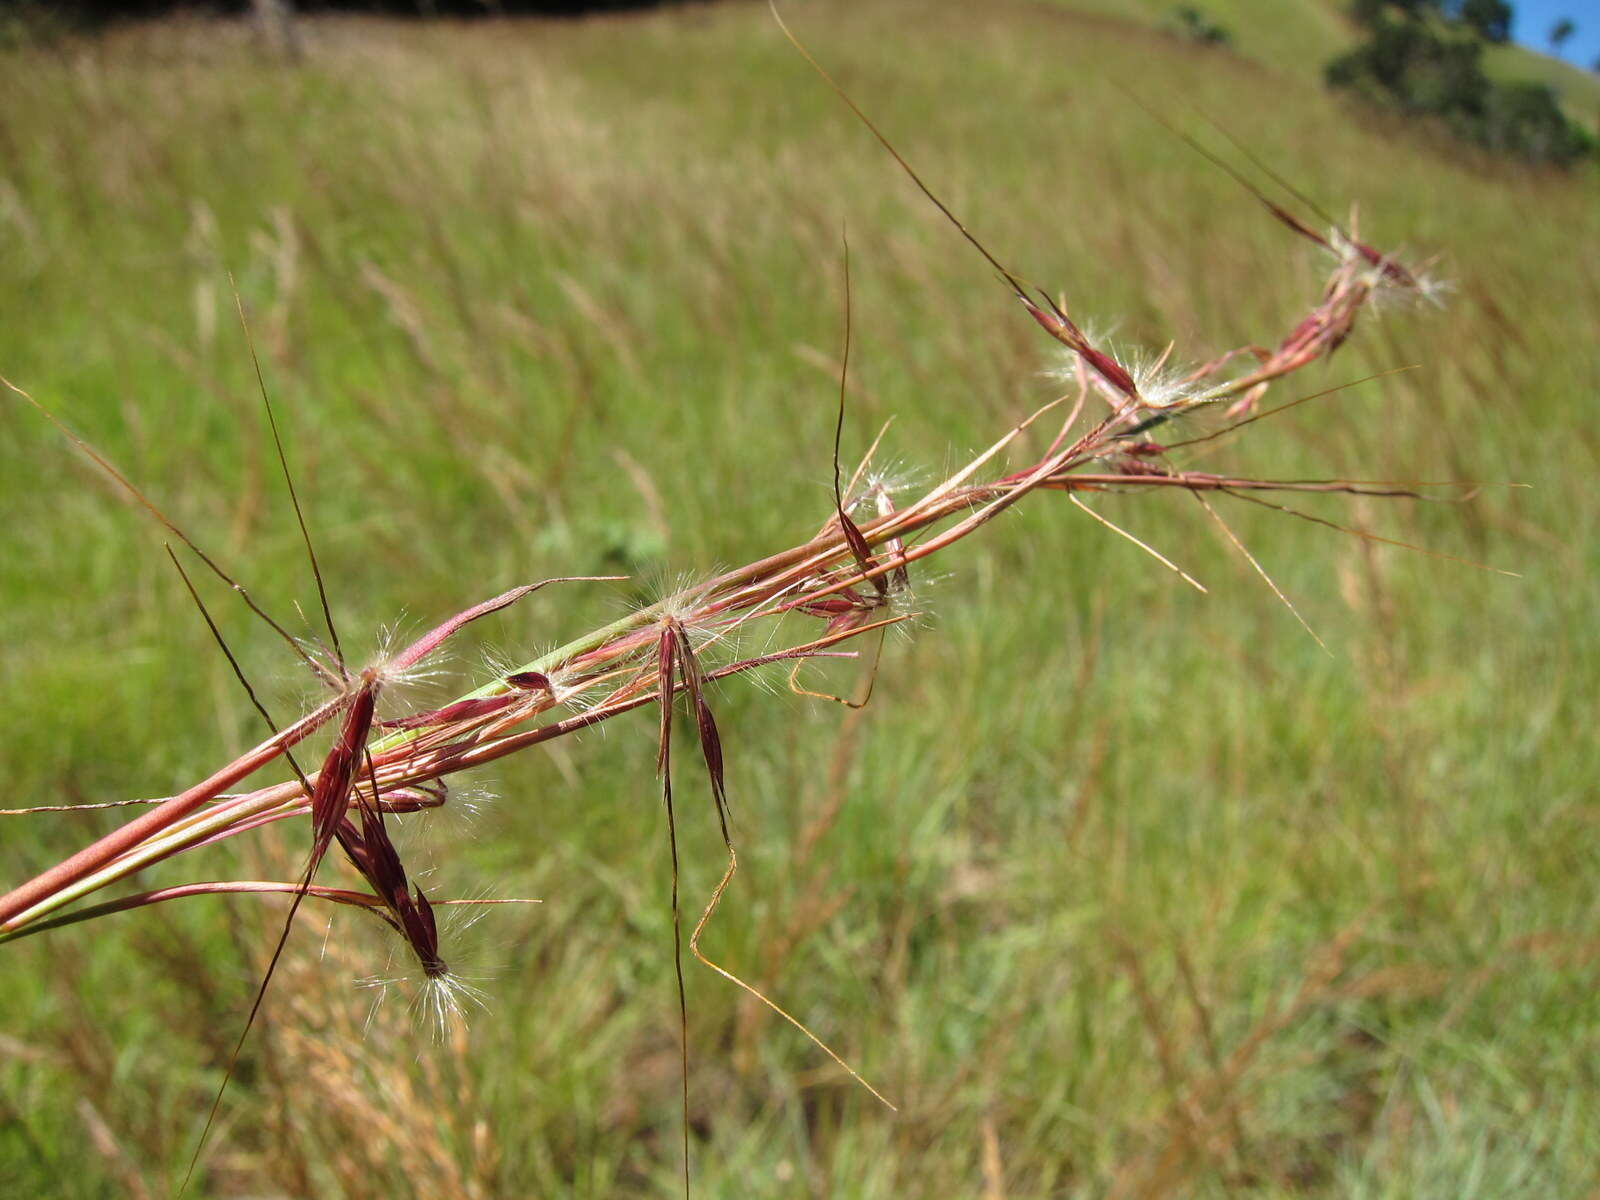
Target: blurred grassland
{"x": 1116, "y": 888}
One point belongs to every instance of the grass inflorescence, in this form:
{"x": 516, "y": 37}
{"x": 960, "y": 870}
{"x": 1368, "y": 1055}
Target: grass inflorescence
{"x": 824, "y": 596}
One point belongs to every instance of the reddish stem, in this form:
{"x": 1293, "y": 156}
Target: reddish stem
{"x": 125, "y": 838}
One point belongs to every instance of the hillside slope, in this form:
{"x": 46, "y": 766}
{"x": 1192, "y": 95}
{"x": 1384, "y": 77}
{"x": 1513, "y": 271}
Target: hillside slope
{"x": 1116, "y": 888}
{"x": 1290, "y": 34}
{"x": 1297, "y": 36}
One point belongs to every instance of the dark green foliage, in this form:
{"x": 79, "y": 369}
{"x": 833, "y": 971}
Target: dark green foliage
{"x": 1560, "y": 32}
{"x": 1524, "y": 118}
{"x": 29, "y": 23}
{"x": 1373, "y": 13}
{"x": 1423, "y": 63}
{"x": 1489, "y": 19}
{"x": 98, "y": 12}
{"x": 1410, "y": 65}
{"x": 1367, "y": 12}
{"x": 1196, "y": 25}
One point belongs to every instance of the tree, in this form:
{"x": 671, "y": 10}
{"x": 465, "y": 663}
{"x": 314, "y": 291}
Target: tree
{"x": 1428, "y": 68}
{"x": 1525, "y": 119}
{"x": 1192, "y": 23}
{"x": 1560, "y": 32}
{"x": 1406, "y": 64}
{"x": 1489, "y": 19}
{"x": 1372, "y": 13}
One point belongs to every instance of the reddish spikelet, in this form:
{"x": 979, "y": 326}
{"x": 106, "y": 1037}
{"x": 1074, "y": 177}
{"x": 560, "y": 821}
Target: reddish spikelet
{"x": 1339, "y": 332}
{"x": 416, "y": 798}
{"x": 1058, "y": 327}
{"x": 705, "y": 723}
{"x": 666, "y": 666}
{"x": 1111, "y": 371}
{"x": 831, "y": 606}
{"x": 1140, "y": 466}
{"x": 331, "y": 798}
{"x": 848, "y": 609}
{"x": 530, "y": 681}
{"x": 1070, "y": 336}
{"x": 1391, "y": 270}
{"x": 423, "y": 933}
{"x": 900, "y": 578}
{"x": 710, "y": 745}
{"x": 862, "y": 553}
{"x": 1292, "y": 221}
{"x": 1303, "y": 333}
{"x": 462, "y": 710}
{"x": 856, "y": 618}
{"x": 373, "y": 853}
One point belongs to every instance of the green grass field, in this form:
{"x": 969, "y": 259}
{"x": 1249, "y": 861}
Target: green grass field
{"x": 1116, "y": 889}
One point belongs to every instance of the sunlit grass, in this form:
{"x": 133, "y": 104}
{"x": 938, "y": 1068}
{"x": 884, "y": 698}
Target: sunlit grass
{"x": 488, "y": 264}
